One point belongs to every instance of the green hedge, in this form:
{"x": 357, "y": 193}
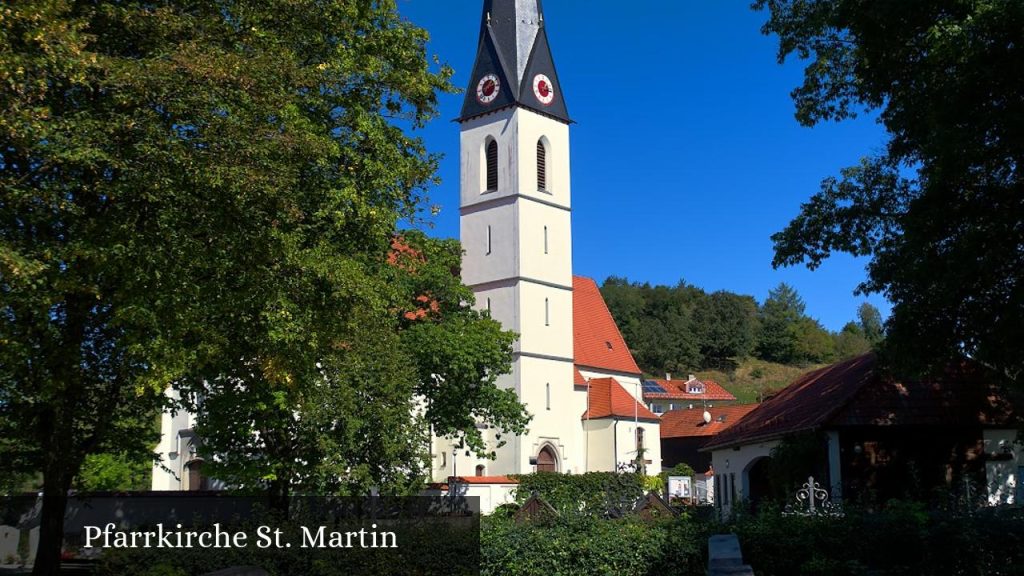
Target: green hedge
{"x": 905, "y": 538}
{"x": 591, "y": 546}
{"x": 593, "y": 493}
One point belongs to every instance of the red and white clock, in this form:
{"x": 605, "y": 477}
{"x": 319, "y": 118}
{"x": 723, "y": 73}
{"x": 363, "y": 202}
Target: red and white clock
{"x": 488, "y": 88}
{"x": 543, "y": 89}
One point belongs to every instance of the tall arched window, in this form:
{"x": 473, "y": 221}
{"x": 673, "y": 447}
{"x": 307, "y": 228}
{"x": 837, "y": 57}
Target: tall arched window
{"x": 480, "y": 469}
{"x": 492, "y": 165}
{"x": 542, "y": 166}
{"x": 639, "y": 440}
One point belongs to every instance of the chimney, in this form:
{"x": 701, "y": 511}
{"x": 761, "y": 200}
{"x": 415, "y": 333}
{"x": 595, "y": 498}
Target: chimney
{"x": 692, "y": 378}
{"x": 668, "y": 375}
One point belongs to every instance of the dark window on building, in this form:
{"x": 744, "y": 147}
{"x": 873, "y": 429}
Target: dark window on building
{"x": 492, "y": 165}
{"x": 480, "y": 470}
{"x": 542, "y": 166}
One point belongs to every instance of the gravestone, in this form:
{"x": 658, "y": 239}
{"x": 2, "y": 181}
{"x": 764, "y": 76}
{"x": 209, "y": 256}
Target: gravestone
{"x": 9, "y": 537}
{"x": 33, "y": 542}
{"x": 725, "y": 557}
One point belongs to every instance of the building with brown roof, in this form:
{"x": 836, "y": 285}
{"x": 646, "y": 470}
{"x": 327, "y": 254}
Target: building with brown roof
{"x": 871, "y": 436}
{"x": 684, "y": 432}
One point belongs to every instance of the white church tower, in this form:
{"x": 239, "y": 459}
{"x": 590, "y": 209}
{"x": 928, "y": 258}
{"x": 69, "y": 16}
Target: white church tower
{"x": 515, "y": 230}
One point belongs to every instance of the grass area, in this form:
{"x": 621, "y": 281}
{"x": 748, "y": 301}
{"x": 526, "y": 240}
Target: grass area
{"x": 754, "y": 379}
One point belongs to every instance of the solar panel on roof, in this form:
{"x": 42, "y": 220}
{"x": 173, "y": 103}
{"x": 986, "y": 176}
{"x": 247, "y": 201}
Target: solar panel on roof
{"x": 652, "y": 387}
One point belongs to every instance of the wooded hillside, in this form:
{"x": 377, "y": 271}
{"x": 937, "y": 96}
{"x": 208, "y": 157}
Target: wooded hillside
{"x": 683, "y": 329}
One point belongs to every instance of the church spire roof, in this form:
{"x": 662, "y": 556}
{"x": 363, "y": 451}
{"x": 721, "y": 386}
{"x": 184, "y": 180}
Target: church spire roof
{"x": 513, "y": 63}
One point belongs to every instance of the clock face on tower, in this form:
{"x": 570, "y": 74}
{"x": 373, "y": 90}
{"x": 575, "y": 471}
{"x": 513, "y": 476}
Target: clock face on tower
{"x": 543, "y": 89}
{"x": 487, "y": 89}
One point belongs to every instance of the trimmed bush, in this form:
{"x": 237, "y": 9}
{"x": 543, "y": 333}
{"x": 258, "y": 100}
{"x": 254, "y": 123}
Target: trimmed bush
{"x": 905, "y": 538}
{"x": 593, "y": 493}
{"x": 590, "y": 546}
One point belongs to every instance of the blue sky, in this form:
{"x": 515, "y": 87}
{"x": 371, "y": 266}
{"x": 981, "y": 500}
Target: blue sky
{"x": 686, "y": 156}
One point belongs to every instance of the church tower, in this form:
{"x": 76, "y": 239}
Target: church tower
{"x": 515, "y": 230}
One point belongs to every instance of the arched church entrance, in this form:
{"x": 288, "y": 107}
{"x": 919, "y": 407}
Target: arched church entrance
{"x": 546, "y": 460}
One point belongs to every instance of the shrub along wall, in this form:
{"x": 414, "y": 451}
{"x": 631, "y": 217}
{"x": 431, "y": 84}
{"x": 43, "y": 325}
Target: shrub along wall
{"x": 903, "y": 539}
{"x": 592, "y": 546}
{"x": 593, "y": 493}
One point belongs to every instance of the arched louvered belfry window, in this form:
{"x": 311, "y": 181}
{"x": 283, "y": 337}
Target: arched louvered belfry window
{"x": 542, "y": 166}
{"x": 492, "y": 165}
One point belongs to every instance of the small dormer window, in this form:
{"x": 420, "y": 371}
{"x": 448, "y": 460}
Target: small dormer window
{"x": 695, "y": 387}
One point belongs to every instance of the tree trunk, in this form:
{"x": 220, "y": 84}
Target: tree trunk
{"x": 279, "y": 499}
{"x": 56, "y": 483}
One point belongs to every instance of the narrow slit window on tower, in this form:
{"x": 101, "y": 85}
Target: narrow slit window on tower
{"x": 488, "y": 239}
{"x": 548, "y": 395}
{"x": 488, "y": 304}
{"x": 542, "y": 166}
{"x": 545, "y": 239}
{"x": 492, "y": 165}
{"x": 547, "y": 313}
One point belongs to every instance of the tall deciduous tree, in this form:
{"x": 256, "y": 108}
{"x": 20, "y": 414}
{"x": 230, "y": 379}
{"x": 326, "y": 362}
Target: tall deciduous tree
{"x": 940, "y": 211}
{"x": 197, "y": 192}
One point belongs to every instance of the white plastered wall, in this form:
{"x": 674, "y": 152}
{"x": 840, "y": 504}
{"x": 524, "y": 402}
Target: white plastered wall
{"x": 731, "y": 466}
{"x": 518, "y": 259}
{"x": 1003, "y": 476}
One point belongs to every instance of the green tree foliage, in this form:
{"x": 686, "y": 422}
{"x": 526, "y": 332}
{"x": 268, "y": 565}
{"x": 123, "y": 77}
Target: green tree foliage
{"x": 112, "y": 471}
{"x": 682, "y": 328}
{"x": 363, "y": 417}
{"x": 851, "y": 341}
{"x": 726, "y": 325}
{"x": 205, "y": 194}
{"x": 940, "y": 211}
{"x": 871, "y": 323}
{"x": 656, "y": 321}
{"x": 781, "y": 314}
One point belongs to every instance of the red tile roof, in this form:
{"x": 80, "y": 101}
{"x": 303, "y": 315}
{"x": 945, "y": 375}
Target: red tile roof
{"x": 857, "y": 393}
{"x": 608, "y": 399}
{"x": 690, "y": 423}
{"x": 483, "y": 480}
{"x": 577, "y": 378}
{"x": 677, "y": 390}
{"x": 597, "y": 342}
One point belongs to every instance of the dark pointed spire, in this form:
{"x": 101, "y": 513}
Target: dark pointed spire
{"x": 513, "y": 63}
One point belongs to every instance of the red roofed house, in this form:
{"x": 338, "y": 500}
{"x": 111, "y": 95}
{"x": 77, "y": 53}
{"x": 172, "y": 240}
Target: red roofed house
{"x": 571, "y": 368}
{"x": 668, "y": 394}
{"x": 684, "y": 432}
{"x": 879, "y": 437}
